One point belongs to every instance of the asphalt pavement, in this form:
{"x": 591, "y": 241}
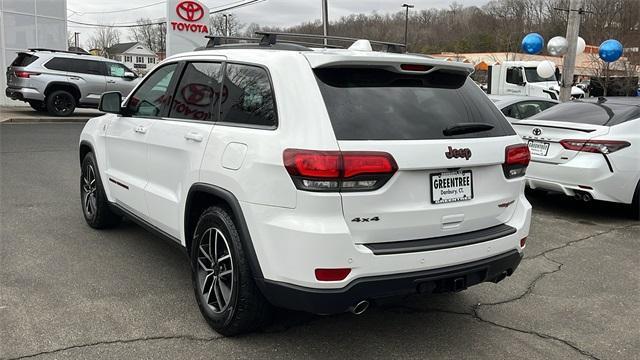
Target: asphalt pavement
{"x": 69, "y": 292}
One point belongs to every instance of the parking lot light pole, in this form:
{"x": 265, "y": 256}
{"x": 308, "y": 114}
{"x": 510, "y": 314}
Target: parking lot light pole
{"x": 406, "y": 24}
{"x": 325, "y": 20}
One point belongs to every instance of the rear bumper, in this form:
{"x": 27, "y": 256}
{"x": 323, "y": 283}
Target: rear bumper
{"x": 23, "y": 94}
{"x": 590, "y": 173}
{"x": 449, "y": 279}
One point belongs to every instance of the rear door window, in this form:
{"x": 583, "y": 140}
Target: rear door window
{"x": 590, "y": 112}
{"x": 79, "y": 66}
{"x": 198, "y": 92}
{"x": 377, "y": 104}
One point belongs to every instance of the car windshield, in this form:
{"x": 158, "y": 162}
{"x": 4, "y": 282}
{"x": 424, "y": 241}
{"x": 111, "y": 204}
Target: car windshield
{"x": 533, "y": 77}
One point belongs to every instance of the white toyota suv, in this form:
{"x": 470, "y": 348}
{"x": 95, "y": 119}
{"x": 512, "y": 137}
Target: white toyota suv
{"x": 312, "y": 179}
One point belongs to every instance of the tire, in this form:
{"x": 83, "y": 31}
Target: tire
{"x": 231, "y": 303}
{"x": 635, "y": 205}
{"x": 61, "y": 103}
{"x": 95, "y": 205}
{"x": 37, "y": 105}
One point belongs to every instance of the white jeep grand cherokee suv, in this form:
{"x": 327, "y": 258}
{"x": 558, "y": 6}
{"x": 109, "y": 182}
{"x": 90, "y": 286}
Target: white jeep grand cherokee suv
{"x": 312, "y": 179}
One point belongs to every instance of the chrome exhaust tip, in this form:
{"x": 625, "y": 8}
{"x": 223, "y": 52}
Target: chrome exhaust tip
{"x": 359, "y": 308}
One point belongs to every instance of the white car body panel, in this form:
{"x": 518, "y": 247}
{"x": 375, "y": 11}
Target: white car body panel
{"x": 295, "y": 231}
{"x": 613, "y": 177}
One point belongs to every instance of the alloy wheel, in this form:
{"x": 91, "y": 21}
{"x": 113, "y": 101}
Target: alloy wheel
{"x": 89, "y": 188}
{"x": 62, "y": 103}
{"x": 215, "y": 270}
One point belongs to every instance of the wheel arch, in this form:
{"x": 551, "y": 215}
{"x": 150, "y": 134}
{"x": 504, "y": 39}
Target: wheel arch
{"x": 59, "y": 85}
{"x": 85, "y": 148}
{"x": 200, "y": 197}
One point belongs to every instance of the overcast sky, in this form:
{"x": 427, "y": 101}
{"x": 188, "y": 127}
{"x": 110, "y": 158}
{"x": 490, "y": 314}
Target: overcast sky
{"x": 269, "y": 12}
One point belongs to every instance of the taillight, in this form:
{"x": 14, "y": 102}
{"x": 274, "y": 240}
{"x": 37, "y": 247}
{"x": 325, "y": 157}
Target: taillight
{"x": 516, "y": 160}
{"x": 339, "y": 171}
{"x": 594, "y": 146}
{"x": 25, "y": 74}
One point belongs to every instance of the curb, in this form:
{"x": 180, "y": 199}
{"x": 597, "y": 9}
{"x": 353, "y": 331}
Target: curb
{"x": 27, "y": 120}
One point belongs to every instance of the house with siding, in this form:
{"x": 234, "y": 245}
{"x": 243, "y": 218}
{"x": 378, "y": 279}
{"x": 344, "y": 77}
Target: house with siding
{"x": 134, "y": 55}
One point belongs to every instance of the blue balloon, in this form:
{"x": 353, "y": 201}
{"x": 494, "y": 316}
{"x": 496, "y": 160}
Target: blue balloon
{"x": 532, "y": 43}
{"x": 610, "y": 50}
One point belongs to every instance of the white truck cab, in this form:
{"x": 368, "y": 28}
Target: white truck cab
{"x": 521, "y": 78}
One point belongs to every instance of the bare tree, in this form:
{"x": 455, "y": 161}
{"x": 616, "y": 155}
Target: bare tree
{"x": 151, "y": 34}
{"x": 103, "y": 37}
{"x": 218, "y": 24}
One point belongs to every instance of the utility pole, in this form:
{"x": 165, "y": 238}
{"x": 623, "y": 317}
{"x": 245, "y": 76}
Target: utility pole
{"x": 406, "y": 25}
{"x": 226, "y": 24}
{"x": 76, "y": 36}
{"x": 569, "y": 65}
{"x": 325, "y": 21}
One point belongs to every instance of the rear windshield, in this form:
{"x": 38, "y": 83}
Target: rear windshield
{"x": 24, "y": 59}
{"x": 377, "y": 104}
{"x": 592, "y": 113}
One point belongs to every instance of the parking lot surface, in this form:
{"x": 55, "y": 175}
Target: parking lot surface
{"x": 67, "y": 291}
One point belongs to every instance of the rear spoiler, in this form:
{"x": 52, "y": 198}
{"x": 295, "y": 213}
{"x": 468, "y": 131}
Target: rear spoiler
{"x": 553, "y": 126}
{"x": 317, "y": 60}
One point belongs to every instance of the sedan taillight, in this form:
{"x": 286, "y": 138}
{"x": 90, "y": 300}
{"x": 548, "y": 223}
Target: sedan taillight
{"x": 332, "y": 171}
{"x": 517, "y": 158}
{"x": 594, "y": 146}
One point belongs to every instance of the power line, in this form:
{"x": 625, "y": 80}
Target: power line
{"x": 158, "y": 22}
{"x": 231, "y": 6}
{"x": 115, "y": 11}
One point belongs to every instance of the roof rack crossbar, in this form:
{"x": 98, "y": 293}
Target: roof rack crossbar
{"x": 215, "y": 41}
{"x": 271, "y": 38}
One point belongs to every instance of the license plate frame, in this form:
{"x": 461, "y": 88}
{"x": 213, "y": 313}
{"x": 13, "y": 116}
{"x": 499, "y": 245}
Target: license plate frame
{"x": 539, "y": 151}
{"x": 466, "y": 195}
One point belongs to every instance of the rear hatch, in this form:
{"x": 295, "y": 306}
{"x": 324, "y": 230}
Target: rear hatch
{"x": 17, "y": 73}
{"x": 578, "y": 121}
{"x": 449, "y": 179}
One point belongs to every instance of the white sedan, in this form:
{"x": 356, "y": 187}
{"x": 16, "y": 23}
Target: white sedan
{"x": 589, "y": 149}
{"x": 517, "y": 107}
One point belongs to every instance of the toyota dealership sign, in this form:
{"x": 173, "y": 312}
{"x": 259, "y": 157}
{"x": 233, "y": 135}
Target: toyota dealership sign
{"x": 187, "y": 25}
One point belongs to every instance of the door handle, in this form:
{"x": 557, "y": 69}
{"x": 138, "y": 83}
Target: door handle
{"x": 193, "y": 136}
{"x": 140, "y": 130}
{"x": 111, "y": 81}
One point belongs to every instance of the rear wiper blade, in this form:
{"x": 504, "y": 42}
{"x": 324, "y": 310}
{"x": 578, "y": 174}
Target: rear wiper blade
{"x": 466, "y": 128}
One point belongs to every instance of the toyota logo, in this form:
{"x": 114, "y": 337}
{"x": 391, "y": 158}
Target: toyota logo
{"x": 190, "y": 11}
{"x": 537, "y": 132}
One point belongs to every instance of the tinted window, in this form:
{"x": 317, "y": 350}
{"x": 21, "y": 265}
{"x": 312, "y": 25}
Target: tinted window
{"x": 116, "y": 70}
{"x": 198, "y": 92}
{"x": 514, "y": 76}
{"x": 76, "y": 66}
{"x": 511, "y": 111}
{"x": 57, "y": 64}
{"x": 376, "y": 104}
{"x": 527, "y": 109}
{"x": 151, "y": 96}
{"x": 593, "y": 113}
{"x": 247, "y": 97}
{"x": 532, "y": 76}
{"x": 24, "y": 59}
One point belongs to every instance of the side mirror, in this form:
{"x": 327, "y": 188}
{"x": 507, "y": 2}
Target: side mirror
{"x": 130, "y": 76}
{"x": 111, "y": 102}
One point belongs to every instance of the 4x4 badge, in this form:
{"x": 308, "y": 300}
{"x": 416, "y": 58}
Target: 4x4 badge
{"x": 458, "y": 153}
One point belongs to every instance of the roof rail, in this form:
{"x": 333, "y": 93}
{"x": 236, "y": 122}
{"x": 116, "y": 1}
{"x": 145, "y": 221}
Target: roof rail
{"x": 233, "y": 41}
{"x": 271, "y": 38}
{"x": 59, "y": 51}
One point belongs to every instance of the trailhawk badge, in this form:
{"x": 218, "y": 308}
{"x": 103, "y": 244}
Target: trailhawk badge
{"x": 458, "y": 153}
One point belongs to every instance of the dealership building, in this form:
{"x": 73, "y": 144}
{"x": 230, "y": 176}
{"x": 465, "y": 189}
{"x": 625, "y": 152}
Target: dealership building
{"x": 28, "y": 24}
